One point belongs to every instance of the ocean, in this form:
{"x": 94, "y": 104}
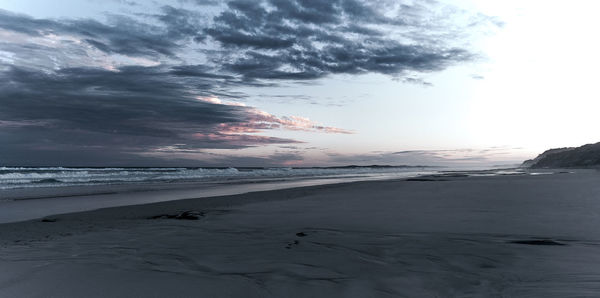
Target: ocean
{"x": 35, "y": 177}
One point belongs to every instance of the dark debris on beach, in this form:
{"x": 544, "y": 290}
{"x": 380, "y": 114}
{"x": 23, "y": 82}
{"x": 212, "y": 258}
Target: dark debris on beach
{"x": 186, "y": 215}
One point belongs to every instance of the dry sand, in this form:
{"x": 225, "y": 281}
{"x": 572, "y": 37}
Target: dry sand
{"x": 505, "y": 236}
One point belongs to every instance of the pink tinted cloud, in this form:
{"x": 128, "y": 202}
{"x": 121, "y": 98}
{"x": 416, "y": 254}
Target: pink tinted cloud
{"x": 240, "y": 140}
{"x": 258, "y": 120}
{"x": 292, "y": 123}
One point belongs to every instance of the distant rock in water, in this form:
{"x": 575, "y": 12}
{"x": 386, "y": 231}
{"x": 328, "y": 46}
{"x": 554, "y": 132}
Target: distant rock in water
{"x": 584, "y": 156}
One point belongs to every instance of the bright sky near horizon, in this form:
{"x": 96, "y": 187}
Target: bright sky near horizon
{"x": 294, "y": 82}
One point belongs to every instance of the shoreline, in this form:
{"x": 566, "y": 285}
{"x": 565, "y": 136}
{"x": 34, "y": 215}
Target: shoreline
{"x": 34, "y": 203}
{"x": 81, "y": 199}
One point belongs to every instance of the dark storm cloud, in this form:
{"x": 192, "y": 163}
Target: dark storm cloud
{"x": 203, "y": 2}
{"x": 181, "y": 23}
{"x": 199, "y": 71}
{"x": 302, "y": 40}
{"x": 127, "y": 113}
{"x": 100, "y": 111}
{"x": 84, "y": 94}
{"x": 121, "y": 35}
{"x": 274, "y": 40}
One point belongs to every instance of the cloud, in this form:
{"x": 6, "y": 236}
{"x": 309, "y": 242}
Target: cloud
{"x": 127, "y": 88}
{"x": 203, "y": 2}
{"x": 126, "y": 112}
{"x": 121, "y": 34}
{"x": 304, "y": 40}
{"x": 268, "y": 40}
{"x": 259, "y": 120}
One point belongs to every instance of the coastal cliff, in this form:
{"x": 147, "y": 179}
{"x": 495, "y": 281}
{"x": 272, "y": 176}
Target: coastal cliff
{"x": 573, "y": 157}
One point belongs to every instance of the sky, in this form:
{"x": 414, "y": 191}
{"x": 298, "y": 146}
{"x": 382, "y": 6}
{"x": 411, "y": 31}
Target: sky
{"x": 294, "y": 82}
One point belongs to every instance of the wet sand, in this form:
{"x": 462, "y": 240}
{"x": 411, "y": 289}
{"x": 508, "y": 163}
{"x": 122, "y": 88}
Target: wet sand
{"x": 503, "y": 236}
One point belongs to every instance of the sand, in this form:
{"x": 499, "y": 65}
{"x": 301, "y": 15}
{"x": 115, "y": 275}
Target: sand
{"x": 504, "y": 236}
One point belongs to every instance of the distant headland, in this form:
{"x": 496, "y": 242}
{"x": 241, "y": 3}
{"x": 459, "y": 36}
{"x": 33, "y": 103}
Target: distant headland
{"x": 570, "y": 157}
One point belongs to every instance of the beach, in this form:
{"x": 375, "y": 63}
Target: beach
{"x": 434, "y": 236}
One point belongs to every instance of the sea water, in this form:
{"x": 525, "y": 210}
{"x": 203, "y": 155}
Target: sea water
{"x": 29, "y": 177}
